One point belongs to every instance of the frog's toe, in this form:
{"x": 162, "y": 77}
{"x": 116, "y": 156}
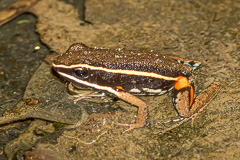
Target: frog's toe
{"x": 121, "y": 124}
{"x": 131, "y": 126}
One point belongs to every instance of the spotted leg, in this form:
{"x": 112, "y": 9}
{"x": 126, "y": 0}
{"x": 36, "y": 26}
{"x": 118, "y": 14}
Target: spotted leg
{"x": 183, "y": 96}
{"x": 187, "y": 106}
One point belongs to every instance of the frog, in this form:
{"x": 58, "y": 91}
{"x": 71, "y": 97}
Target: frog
{"x": 125, "y": 74}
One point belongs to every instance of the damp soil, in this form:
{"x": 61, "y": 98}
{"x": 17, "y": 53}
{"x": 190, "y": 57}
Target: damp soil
{"x": 38, "y": 114}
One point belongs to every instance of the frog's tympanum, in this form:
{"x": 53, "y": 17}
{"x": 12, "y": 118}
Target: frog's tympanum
{"x": 125, "y": 73}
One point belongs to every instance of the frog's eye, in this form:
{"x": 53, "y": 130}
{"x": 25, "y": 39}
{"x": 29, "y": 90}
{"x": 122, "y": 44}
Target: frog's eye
{"x": 81, "y": 72}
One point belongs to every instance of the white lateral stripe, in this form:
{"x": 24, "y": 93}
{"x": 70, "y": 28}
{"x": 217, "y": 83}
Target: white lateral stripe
{"x": 109, "y": 89}
{"x": 135, "y": 90}
{"x": 129, "y": 72}
{"x": 152, "y": 90}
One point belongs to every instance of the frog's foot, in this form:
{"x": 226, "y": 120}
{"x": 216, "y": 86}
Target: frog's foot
{"x": 192, "y": 117}
{"x": 131, "y": 126}
{"x": 80, "y": 98}
{"x": 177, "y": 125}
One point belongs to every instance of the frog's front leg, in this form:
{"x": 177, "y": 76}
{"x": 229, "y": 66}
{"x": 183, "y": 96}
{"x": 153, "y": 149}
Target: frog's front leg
{"x": 82, "y": 93}
{"x": 142, "y": 111}
{"x": 183, "y": 97}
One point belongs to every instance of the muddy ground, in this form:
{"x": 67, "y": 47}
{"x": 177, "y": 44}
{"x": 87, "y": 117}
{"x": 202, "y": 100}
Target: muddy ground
{"x": 37, "y": 111}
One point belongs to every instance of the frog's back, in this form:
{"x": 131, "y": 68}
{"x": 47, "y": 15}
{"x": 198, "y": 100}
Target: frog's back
{"x": 137, "y": 60}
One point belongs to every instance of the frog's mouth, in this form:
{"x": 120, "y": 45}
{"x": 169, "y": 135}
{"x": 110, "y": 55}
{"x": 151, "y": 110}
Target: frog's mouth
{"x": 66, "y": 73}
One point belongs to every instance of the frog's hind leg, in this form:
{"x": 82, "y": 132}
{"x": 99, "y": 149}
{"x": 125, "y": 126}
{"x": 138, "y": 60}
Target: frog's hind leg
{"x": 183, "y": 96}
{"x": 183, "y": 101}
{"x": 193, "y": 63}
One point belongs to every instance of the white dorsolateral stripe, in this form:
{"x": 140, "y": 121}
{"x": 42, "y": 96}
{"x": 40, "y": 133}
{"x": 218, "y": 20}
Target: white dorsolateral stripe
{"x": 109, "y": 89}
{"x": 121, "y": 71}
